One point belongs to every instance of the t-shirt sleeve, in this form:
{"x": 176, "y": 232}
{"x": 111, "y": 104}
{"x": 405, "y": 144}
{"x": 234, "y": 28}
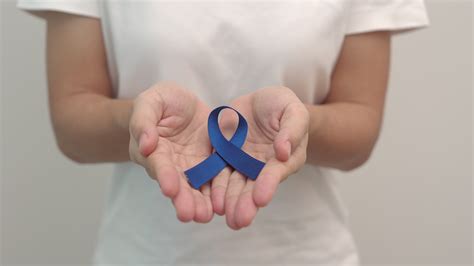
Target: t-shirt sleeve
{"x": 390, "y": 15}
{"x": 88, "y": 8}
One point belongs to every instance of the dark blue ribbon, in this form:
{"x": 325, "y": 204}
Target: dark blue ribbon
{"x": 228, "y": 152}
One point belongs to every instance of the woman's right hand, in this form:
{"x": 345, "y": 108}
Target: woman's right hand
{"x": 168, "y": 134}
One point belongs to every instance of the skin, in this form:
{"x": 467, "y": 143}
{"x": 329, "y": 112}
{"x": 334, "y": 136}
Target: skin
{"x": 166, "y": 136}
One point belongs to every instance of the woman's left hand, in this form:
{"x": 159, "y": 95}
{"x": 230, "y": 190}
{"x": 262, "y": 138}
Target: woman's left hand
{"x": 277, "y": 135}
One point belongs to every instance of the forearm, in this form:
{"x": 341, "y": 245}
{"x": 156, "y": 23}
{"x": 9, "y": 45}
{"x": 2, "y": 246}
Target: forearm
{"x": 342, "y": 135}
{"x": 92, "y": 128}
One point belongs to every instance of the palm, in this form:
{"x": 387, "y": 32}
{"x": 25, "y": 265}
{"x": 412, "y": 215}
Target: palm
{"x": 260, "y": 136}
{"x": 183, "y": 134}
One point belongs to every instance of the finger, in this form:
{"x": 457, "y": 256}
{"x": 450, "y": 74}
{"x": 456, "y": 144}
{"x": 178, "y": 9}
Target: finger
{"x": 234, "y": 188}
{"x": 147, "y": 112}
{"x": 165, "y": 172}
{"x": 201, "y": 214}
{"x": 218, "y": 190}
{"x": 293, "y": 128}
{"x": 245, "y": 209}
{"x": 134, "y": 154}
{"x": 184, "y": 202}
{"x": 206, "y": 192}
{"x": 267, "y": 182}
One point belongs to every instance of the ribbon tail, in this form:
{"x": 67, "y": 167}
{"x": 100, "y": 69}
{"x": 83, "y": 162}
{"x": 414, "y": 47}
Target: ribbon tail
{"x": 205, "y": 171}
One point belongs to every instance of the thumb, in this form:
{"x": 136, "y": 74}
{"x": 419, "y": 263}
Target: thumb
{"x": 293, "y": 128}
{"x": 146, "y": 114}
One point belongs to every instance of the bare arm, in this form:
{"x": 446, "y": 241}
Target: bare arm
{"x": 340, "y": 133}
{"x": 90, "y": 126}
{"x": 343, "y": 130}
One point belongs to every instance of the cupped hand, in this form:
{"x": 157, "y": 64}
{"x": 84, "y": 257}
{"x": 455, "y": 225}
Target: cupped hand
{"x": 168, "y": 134}
{"x": 277, "y": 135}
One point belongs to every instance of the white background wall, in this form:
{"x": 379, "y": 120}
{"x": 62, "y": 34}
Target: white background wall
{"x": 411, "y": 204}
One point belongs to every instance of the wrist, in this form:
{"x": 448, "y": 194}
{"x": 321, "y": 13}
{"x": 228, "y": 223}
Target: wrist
{"x": 315, "y": 118}
{"x": 121, "y": 110}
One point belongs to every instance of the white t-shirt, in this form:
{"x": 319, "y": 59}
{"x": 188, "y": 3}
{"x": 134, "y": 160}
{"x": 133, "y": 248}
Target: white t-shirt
{"x": 221, "y": 50}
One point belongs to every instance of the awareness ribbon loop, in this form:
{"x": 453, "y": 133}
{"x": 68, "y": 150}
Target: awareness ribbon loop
{"x": 227, "y": 152}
